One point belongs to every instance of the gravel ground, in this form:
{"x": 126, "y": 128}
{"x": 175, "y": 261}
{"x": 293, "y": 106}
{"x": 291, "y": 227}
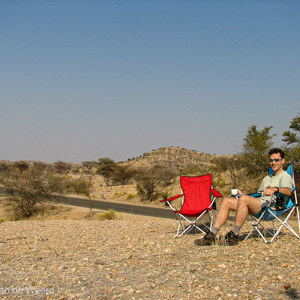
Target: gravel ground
{"x": 140, "y": 258}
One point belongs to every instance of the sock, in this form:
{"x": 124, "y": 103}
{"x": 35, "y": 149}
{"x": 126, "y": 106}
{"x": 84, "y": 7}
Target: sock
{"x": 236, "y": 229}
{"x": 214, "y": 230}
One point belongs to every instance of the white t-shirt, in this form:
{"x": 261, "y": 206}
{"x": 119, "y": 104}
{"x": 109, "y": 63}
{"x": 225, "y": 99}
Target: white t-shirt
{"x": 283, "y": 179}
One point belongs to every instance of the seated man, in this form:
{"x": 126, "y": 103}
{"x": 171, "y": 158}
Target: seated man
{"x": 245, "y": 204}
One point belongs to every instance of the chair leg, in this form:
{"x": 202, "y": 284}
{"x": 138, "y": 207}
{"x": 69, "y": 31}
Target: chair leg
{"x": 297, "y": 212}
{"x": 260, "y": 233}
{"x": 252, "y": 223}
{"x": 285, "y": 224}
{"x": 191, "y": 225}
{"x": 255, "y": 224}
{"x": 212, "y": 215}
{"x": 180, "y": 225}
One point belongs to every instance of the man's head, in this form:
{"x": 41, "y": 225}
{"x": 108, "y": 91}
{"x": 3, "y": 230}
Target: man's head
{"x": 277, "y": 160}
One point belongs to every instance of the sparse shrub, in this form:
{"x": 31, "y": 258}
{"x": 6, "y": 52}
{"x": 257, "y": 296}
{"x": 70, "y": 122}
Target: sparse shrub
{"x": 219, "y": 182}
{"x": 165, "y": 174}
{"x": 4, "y": 167}
{"x": 151, "y": 180}
{"x": 89, "y": 167}
{"x": 148, "y": 181}
{"x": 130, "y": 196}
{"x": 21, "y": 165}
{"x": 40, "y": 165}
{"x": 107, "y": 215}
{"x": 191, "y": 170}
{"x": 140, "y": 191}
{"x": 233, "y": 166}
{"x": 118, "y": 195}
{"x": 81, "y": 186}
{"x": 60, "y": 184}
{"x": 165, "y": 195}
{"x": 62, "y": 167}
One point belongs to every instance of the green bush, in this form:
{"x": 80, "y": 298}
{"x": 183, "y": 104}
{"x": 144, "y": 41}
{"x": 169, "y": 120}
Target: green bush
{"x": 107, "y": 215}
{"x": 165, "y": 195}
{"x": 130, "y": 196}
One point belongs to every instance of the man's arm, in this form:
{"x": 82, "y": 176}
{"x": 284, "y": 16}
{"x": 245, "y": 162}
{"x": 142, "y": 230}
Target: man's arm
{"x": 283, "y": 190}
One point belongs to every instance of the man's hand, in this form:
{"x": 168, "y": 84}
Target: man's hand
{"x": 269, "y": 191}
{"x": 240, "y": 192}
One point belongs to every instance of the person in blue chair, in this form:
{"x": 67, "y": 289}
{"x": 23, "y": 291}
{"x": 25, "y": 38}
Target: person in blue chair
{"x": 279, "y": 181}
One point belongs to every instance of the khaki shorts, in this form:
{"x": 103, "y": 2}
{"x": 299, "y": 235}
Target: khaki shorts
{"x": 264, "y": 203}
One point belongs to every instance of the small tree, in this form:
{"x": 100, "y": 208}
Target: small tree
{"x": 256, "y": 145}
{"x": 291, "y": 137}
{"x": 165, "y": 174}
{"x": 106, "y": 168}
{"x": 84, "y": 186}
{"x": 87, "y": 186}
{"x": 122, "y": 175}
{"x": 26, "y": 189}
{"x": 148, "y": 181}
{"x": 293, "y": 147}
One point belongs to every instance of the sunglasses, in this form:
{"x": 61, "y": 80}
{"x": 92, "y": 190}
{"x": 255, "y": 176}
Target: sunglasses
{"x": 275, "y": 159}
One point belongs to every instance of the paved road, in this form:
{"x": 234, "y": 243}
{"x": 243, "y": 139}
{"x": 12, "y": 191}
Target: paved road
{"x": 120, "y": 207}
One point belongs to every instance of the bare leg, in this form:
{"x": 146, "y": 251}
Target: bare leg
{"x": 242, "y": 206}
{"x": 246, "y": 204}
{"x": 227, "y": 204}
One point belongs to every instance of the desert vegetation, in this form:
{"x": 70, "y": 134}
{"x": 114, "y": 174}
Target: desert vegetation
{"x": 147, "y": 178}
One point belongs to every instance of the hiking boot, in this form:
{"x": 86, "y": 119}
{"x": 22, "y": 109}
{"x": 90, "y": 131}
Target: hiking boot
{"x": 207, "y": 240}
{"x": 231, "y": 238}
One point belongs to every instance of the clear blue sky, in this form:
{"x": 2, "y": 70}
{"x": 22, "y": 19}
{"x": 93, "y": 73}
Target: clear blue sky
{"x": 80, "y": 80}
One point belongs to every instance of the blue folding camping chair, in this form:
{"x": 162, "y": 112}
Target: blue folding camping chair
{"x": 282, "y": 215}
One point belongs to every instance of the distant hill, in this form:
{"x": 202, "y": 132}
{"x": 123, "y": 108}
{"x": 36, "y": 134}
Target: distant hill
{"x": 174, "y": 157}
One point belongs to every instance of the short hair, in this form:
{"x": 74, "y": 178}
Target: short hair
{"x": 276, "y": 150}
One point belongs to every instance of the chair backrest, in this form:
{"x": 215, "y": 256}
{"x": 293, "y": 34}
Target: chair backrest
{"x": 290, "y": 170}
{"x": 196, "y": 192}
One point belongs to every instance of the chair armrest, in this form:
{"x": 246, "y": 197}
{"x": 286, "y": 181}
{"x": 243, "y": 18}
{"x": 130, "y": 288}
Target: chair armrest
{"x": 216, "y": 193}
{"x": 280, "y": 194}
{"x": 171, "y": 199}
{"x": 255, "y": 195}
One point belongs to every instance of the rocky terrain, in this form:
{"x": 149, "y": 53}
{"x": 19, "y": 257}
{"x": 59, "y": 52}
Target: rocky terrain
{"x": 137, "y": 257}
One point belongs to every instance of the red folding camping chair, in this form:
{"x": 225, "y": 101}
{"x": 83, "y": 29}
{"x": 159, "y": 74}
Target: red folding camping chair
{"x": 198, "y": 199}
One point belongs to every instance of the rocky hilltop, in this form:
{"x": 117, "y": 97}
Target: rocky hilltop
{"x": 174, "y": 157}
